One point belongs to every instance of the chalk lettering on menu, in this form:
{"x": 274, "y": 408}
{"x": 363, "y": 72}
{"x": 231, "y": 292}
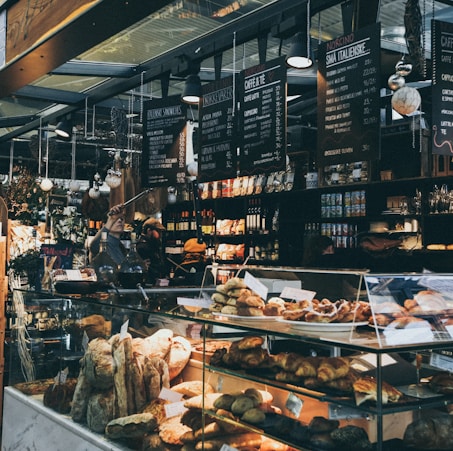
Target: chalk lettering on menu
{"x": 442, "y": 88}
{"x": 217, "y": 156}
{"x": 348, "y": 93}
{"x": 263, "y": 118}
{"x": 164, "y": 149}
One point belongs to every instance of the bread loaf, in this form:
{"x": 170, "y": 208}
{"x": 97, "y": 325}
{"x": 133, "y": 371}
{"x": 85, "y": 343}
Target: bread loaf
{"x": 59, "y": 396}
{"x": 119, "y": 376}
{"x": 179, "y": 356}
{"x": 100, "y": 410}
{"x": 157, "y": 344}
{"x": 98, "y": 363}
{"x": 80, "y": 399}
{"x": 131, "y": 426}
{"x": 430, "y": 433}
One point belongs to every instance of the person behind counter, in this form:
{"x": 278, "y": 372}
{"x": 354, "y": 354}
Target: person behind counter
{"x": 193, "y": 263}
{"x": 114, "y": 226}
{"x": 149, "y": 247}
{"x": 320, "y": 253}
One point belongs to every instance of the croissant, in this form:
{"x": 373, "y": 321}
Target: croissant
{"x": 308, "y": 367}
{"x": 332, "y": 368}
{"x": 250, "y": 343}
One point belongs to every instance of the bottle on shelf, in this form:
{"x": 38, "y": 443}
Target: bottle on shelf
{"x": 105, "y": 267}
{"x": 132, "y": 271}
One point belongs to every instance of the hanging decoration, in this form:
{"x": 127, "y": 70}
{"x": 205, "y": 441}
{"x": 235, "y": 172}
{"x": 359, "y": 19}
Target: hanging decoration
{"x": 94, "y": 191}
{"x": 406, "y": 100}
{"x": 46, "y": 183}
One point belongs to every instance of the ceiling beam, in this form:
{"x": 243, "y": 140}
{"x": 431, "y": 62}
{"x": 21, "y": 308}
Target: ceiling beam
{"x": 99, "y": 23}
{"x": 50, "y": 95}
{"x": 96, "y": 69}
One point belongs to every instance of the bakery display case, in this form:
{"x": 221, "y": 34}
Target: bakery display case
{"x": 271, "y": 358}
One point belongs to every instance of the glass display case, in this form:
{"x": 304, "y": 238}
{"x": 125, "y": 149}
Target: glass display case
{"x": 320, "y": 345}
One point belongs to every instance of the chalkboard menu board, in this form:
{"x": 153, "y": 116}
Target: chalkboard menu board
{"x": 442, "y": 88}
{"x": 164, "y": 142}
{"x": 217, "y": 159}
{"x": 262, "y": 118}
{"x": 349, "y": 97}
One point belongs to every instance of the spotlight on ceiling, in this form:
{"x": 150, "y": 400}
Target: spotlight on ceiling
{"x": 64, "y": 129}
{"x": 192, "y": 90}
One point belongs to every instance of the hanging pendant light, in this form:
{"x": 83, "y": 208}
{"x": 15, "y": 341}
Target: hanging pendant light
{"x": 299, "y": 54}
{"x": 192, "y": 90}
{"x": 64, "y": 129}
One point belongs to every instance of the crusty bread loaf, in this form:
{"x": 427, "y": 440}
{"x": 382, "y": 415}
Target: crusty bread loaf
{"x": 131, "y": 426}
{"x": 430, "y": 433}
{"x": 179, "y": 356}
{"x": 157, "y": 344}
{"x": 97, "y": 363}
{"x": 100, "y": 410}
{"x": 80, "y": 399}
{"x": 119, "y": 377}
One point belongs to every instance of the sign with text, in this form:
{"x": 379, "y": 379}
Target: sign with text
{"x": 60, "y": 254}
{"x": 217, "y": 159}
{"x": 164, "y": 142}
{"x": 262, "y": 118}
{"x": 349, "y": 97}
{"x": 442, "y": 88}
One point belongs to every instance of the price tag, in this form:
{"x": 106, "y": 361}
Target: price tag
{"x": 337, "y": 412}
{"x": 174, "y": 409}
{"x": 74, "y": 274}
{"x": 123, "y": 330}
{"x": 194, "y": 302}
{"x": 255, "y": 285}
{"x": 61, "y": 376}
{"x": 227, "y": 448}
{"x": 294, "y": 404}
{"x": 415, "y": 335}
{"x": 441, "y": 361}
{"x": 297, "y": 294}
{"x": 170, "y": 395}
{"x": 85, "y": 341}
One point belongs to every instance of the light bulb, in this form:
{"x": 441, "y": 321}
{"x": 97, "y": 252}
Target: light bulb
{"x": 46, "y": 184}
{"x": 74, "y": 186}
{"x": 113, "y": 178}
{"x": 192, "y": 168}
{"x": 171, "y": 198}
{"x": 94, "y": 192}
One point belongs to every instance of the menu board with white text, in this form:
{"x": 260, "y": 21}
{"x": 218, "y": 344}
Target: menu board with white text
{"x": 442, "y": 88}
{"x": 349, "y": 97}
{"x": 164, "y": 142}
{"x": 217, "y": 159}
{"x": 262, "y": 118}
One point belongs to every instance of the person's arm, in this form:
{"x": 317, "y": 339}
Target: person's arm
{"x": 112, "y": 216}
{"x": 114, "y": 213}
